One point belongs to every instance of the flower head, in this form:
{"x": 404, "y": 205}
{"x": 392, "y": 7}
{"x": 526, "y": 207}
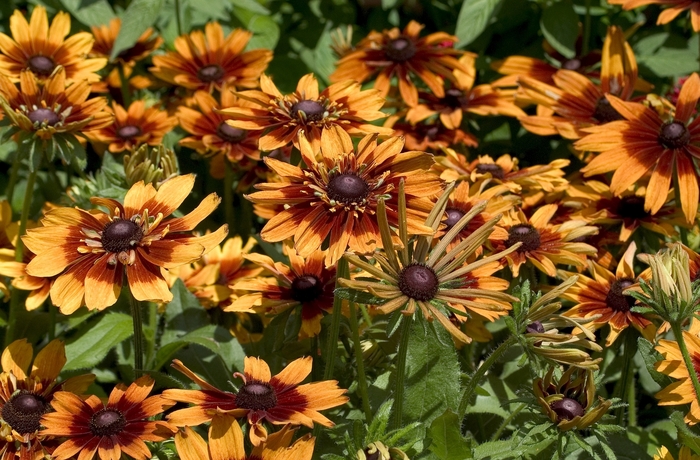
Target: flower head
{"x": 106, "y": 34}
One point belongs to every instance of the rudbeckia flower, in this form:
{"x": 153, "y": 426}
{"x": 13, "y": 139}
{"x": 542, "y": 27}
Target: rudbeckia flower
{"x": 675, "y": 7}
{"x": 106, "y": 34}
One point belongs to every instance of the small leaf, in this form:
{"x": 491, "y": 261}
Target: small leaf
{"x": 99, "y": 338}
{"x": 139, "y": 16}
{"x": 473, "y": 18}
{"x": 559, "y": 25}
{"x": 356, "y": 296}
{"x": 90, "y": 13}
{"x": 685, "y": 436}
{"x": 651, "y": 357}
{"x": 447, "y": 440}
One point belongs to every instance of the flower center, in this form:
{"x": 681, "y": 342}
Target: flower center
{"x": 308, "y": 111}
{"x": 43, "y": 117}
{"x": 454, "y": 98}
{"x": 400, "y": 49}
{"x": 306, "y": 288}
{"x": 107, "y": 422}
{"x": 535, "y": 328}
{"x": 604, "y": 112}
{"x": 41, "y": 65}
{"x": 256, "y": 396}
{"x": 210, "y": 73}
{"x": 229, "y": 133}
{"x": 128, "y": 132}
{"x": 453, "y": 215}
{"x": 418, "y": 282}
{"x": 615, "y": 299}
{"x": 492, "y": 168}
{"x": 347, "y": 188}
{"x": 674, "y": 135}
{"x": 526, "y": 234}
{"x": 121, "y": 235}
{"x": 571, "y": 64}
{"x": 567, "y": 409}
{"x": 632, "y": 207}
{"x": 23, "y": 412}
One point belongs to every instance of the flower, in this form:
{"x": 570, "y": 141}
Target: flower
{"x": 402, "y": 54}
{"x": 120, "y": 426}
{"x": 644, "y": 141}
{"x": 343, "y": 104}
{"x": 278, "y": 400}
{"x": 684, "y": 454}
{"x": 105, "y": 35}
{"x": 675, "y": 7}
{"x": 430, "y": 137}
{"x": 336, "y": 196}
{"x": 40, "y": 48}
{"x": 91, "y": 251}
{"x": 226, "y": 442}
{"x": 209, "y": 60}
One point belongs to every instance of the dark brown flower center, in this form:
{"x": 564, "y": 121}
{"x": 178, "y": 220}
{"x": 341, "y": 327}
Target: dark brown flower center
{"x": 306, "y": 288}
{"x": 615, "y": 299}
{"x": 454, "y": 98}
{"x": 526, "y": 234}
{"x": 571, "y": 64}
{"x": 107, "y": 422}
{"x": 495, "y": 170}
{"x": 632, "y": 207}
{"x": 567, "y": 409}
{"x": 674, "y": 135}
{"x": 419, "y": 282}
{"x": 121, "y": 235}
{"x": 229, "y": 133}
{"x": 23, "y": 412}
{"x": 400, "y": 49}
{"x": 347, "y": 188}
{"x": 41, "y": 65}
{"x": 453, "y": 215}
{"x": 256, "y": 396}
{"x": 43, "y": 116}
{"x": 210, "y": 73}
{"x": 605, "y": 112}
{"x": 128, "y": 132}
{"x": 308, "y": 111}
{"x": 535, "y": 328}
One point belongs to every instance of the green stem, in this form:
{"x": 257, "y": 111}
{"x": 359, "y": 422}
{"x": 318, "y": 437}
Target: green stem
{"x": 343, "y": 271}
{"x": 228, "y": 195}
{"x": 359, "y": 360}
{"x": 399, "y": 383}
{"x": 126, "y": 90}
{"x": 52, "y": 322}
{"x": 177, "y": 17}
{"x": 153, "y": 326}
{"x": 586, "y": 29}
{"x": 629, "y": 350}
{"x": 480, "y": 372}
{"x": 678, "y": 332}
{"x": 138, "y": 335}
{"x": 507, "y": 421}
{"x": 14, "y": 174}
{"x": 632, "y": 403}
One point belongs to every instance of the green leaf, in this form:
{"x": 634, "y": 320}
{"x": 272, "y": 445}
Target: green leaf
{"x": 89, "y": 12}
{"x": 355, "y": 296}
{"x": 139, "y": 16}
{"x": 250, "y": 5}
{"x": 670, "y": 62}
{"x": 266, "y": 32}
{"x": 559, "y": 25}
{"x": 99, "y": 338}
{"x": 685, "y": 436}
{"x": 473, "y": 18}
{"x": 650, "y": 357}
{"x": 649, "y": 45}
{"x": 447, "y": 440}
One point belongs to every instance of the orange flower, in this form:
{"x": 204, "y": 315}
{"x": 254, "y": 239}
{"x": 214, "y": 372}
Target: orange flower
{"x": 675, "y": 7}
{"x": 91, "y": 251}
{"x": 105, "y": 35}
{"x": 430, "y": 137}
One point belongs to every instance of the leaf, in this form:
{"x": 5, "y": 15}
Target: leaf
{"x": 139, "y": 16}
{"x": 266, "y": 33}
{"x": 251, "y": 5}
{"x": 99, "y": 338}
{"x": 685, "y": 436}
{"x": 473, "y": 18}
{"x": 650, "y": 357}
{"x": 670, "y": 62}
{"x": 356, "y": 296}
{"x": 447, "y": 441}
{"x": 559, "y": 25}
{"x": 649, "y": 45}
{"x": 89, "y": 12}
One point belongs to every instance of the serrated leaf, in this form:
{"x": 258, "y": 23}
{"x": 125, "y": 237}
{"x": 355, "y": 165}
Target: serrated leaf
{"x": 90, "y": 13}
{"x": 685, "y": 436}
{"x": 139, "y": 16}
{"x": 473, "y": 18}
{"x": 447, "y": 440}
{"x": 650, "y": 357}
{"x": 559, "y": 26}
{"x": 99, "y": 338}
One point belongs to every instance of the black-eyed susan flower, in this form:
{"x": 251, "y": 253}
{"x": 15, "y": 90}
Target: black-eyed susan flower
{"x": 430, "y": 137}
{"x": 675, "y": 7}
{"x": 106, "y": 34}
{"x": 683, "y": 454}
{"x": 91, "y": 252}
{"x": 278, "y": 400}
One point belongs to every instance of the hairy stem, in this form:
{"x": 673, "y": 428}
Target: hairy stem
{"x": 359, "y": 360}
{"x": 138, "y": 335}
{"x": 678, "y": 333}
{"x": 404, "y": 330}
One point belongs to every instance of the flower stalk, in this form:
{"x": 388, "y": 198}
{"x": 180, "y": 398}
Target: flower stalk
{"x": 404, "y": 332}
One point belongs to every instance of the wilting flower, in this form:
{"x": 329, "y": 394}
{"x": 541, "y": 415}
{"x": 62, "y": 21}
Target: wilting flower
{"x": 262, "y": 398}
{"x": 91, "y": 251}
{"x": 106, "y": 34}
{"x": 94, "y": 428}
{"x": 675, "y": 7}
{"x": 208, "y": 60}
{"x": 41, "y": 48}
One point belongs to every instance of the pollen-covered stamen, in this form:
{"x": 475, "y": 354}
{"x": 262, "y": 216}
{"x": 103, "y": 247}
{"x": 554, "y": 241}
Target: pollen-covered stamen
{"x": 229, "y": 133}
{"x": 454, "y": 98}
{"x": 567, "y": 409}
{"x": 453, "y": 215}
{"x": 41, "y": 65}
{"x": 23, "y": 412}
{"x": 495, "y": 170}
{"x": 526, "y": 234}
{"x": 632, "y": 207}
{"x": 674, "y": 135}
{"x": 400, "y": 49}
{"x": 210, "y": 73}
{"x": 571, "y": 64}
{"x": 347, "y": 188}
{"x": 618, "y": 301}
{"x": 107, "y": 422}
{"x": 43, "y": 116}
{"x": 121, "y": 235}
{"x": 128, "y": 132}
{"x": 312, "y": 110}
{"x": 419, "y": 282}
{"x": 604, "y": 112}
{"x": 306, "y": 288}
{"x": 256, "y": 396}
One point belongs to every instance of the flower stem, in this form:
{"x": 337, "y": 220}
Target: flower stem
{"x": 178, "y": 21}
{"x": 678, "y": 332}
{"x": 126, "y": 91}
{"x": 586, "y": 29}
{"x": 629, "y": 350}
{"x": 359, "y": 360}
{"x": 14, "y": 174}
{"x": 480, "y": 372}
{"x": 401, "y": 370}
{"x": 228, "y": 194}
{"x": 138, "y": 335}
{"x": 343, "y": 271}
{"x": 507, "y": 421}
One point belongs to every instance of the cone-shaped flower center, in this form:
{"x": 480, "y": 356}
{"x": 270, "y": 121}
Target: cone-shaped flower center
{"x": 419, "y": 282}
{"x": 256, "y": 396}
{"x": 23, "y": 412}
{"x": 121, "y": 235}
{"x": 535, "y": 328}
{"x": 400, "y": 49}
{"x": 347, "y": 188}
{"x": 454, "y": 98}
{"x": 572, "y": 64}
{"x": 128, "y": 132}
{"x": 526, "y": 234}
{"x": 605, "y": 112}
{"x": 674, "y": 135}
{"x": 615, "y": 299}
{"x": 308, "y": 110}
{"x": 495, "y": 170}
{"x": 210, "y": 73}
{"x": 107, "y": 422}
{"x": 453, "y": 216}
{"x": 306, "y": 288}
{"x": 632, "y": 207}
{"x": 567, "y": 409}
{"x": 43, "y": 116}
{"x": 41, "y": 65}
{"x": 229, "y": 133}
